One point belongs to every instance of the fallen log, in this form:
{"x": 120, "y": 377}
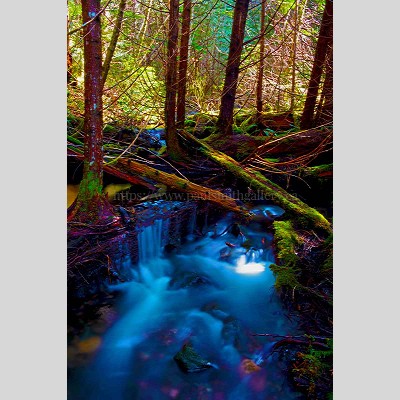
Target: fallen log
{"x": 304, "y": 214}
{"x": 134, "y": 172}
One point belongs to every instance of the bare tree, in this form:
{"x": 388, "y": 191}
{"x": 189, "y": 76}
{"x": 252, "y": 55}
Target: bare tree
{"x": 183, "y": 62}
{"x": 261, "y": 66}
{"x": 171, "y": 81}
{"x": 225, "y": 119}
{"x": 324, "y": 39}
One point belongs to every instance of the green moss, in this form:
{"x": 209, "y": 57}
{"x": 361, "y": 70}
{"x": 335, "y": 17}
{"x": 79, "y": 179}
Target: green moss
{"x": 190, "y": 123}
{"x": 237, "y": 131}
{"x": 75, "y": 122}
{"x": 273, "y": 160}
{"x": 287, "y": 241}
{"x": 317, "y": 170}
{"x": 252, "y": 129}
{"x": 74, "y": 140}
{"x": 210, "y": 130}
{"x": 285, "y": 277}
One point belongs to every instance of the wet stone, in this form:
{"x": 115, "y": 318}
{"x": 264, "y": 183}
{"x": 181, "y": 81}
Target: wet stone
{"x": 189, "y": 360}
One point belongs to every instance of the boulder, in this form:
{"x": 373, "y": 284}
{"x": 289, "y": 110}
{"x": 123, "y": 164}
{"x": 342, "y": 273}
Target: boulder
{"x": 189, "y": 360}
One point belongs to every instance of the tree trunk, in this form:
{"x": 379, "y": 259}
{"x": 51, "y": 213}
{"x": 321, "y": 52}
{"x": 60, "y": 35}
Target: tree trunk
{"x": 171, "y": 81}
{"x": 324, "y": 113}
{"x": 225, "y": 119}
{"x": 261, "y": 66}
{"x": 91, "y": 205}
{"x": 114, "y": 39}
{"x": 70, "y": 78}
{"x": 324, "y": 38}
{"x": 183, "y": 62}
{"x": 294, "y": 51}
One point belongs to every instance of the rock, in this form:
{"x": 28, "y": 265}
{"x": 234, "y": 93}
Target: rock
{"x": 190, "y": 361}
{"x": 215, "y": 311}
{"x": 170, "y": 248}
{"x": 248, "y": 366}
{"x": 89, "y": 345}
{"x": 235, "y": 229}
{"x": 231, "y": 331}
{"x": 189, "y": 279}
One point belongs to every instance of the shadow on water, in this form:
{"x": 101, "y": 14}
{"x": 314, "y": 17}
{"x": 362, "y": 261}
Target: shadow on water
{"x": 214, "y": 293}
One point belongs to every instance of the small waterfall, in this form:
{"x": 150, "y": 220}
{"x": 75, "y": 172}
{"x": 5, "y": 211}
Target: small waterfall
{"x": 150, "y": 242}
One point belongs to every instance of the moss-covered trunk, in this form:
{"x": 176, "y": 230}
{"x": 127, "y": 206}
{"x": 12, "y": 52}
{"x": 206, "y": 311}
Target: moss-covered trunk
{"x": 91, "y": 205}
{"x": 304, "y": 215}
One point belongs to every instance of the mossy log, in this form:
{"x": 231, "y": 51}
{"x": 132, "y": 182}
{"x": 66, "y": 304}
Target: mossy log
{"x": 134, "y": 172}
{"x": 304, "y": 215}
{"x": 195, "y": 192}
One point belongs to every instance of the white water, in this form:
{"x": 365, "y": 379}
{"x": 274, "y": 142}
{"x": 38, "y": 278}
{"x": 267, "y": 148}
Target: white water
{"x": 135, "y": 358}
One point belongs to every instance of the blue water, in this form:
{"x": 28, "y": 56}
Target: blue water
{"x": 133, "y": 357}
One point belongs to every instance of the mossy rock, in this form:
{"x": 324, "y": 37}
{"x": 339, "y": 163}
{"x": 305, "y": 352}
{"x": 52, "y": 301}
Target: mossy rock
{"x": 189, "y": 360}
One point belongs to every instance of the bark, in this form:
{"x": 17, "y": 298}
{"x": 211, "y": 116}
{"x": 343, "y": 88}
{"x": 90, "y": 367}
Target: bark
{"x": 70, "y": 78}
{"x": 324, "y": 113}
{"x": 90, "y": 204}
{"x": 305, "y": 215}
{"x": 324, "y": 38}
{"x": 183, "y": 63}
{"x": 225, "y": 119}
{"x": 171, "y": 82}
{"x": 114, "y": 39}
{"x": 294, "y": 51}
{"x": 261, "y": 66}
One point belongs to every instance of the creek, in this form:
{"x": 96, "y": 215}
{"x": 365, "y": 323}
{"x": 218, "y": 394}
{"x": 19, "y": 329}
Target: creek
{"x": 214, "y": 292}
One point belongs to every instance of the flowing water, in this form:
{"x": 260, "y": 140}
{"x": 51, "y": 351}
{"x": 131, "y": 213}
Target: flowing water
{"x": 212, "y": 294}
